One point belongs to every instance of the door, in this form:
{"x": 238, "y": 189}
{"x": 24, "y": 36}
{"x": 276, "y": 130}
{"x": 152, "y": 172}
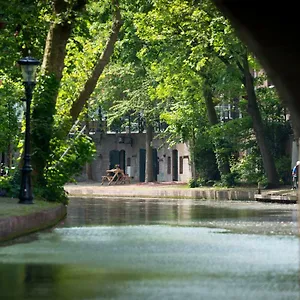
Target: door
{"x": 142, "y": 164}
{"x": 175, "y": 165}
{"x": 114, "y": 158}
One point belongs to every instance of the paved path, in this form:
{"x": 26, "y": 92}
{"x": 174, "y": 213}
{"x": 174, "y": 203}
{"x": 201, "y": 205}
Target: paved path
{"x": 157, "y": 190}
{"x": 179, "y": 190}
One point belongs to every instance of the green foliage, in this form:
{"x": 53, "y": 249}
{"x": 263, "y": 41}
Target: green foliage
{"x": 126, "y": 90}
{"x": 205, "y": 159}
{"x": 229, "y": 180}
{"x": 237, "y": 133}
{"x": 25, "y": 29}
{"x": 248, "y": 169}
{"x": 5, "y": 185}
{"x": 278, "y": 135}
{"x": 200, "y": 182}
{"x": 67, "y": 162}
{"x": 10, "y": 184}
{"x": 167, "y": 49}
{"x": 283, "y": 165}
{"x": 193, "y": 183}
{"x": 10, "y": 112}
{"x": 42, "y": 120}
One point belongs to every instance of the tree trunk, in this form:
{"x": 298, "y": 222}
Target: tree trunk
{"x": 193, "y": 151}
{"x": 52, "y": 65}
{"x": 253, "y": 110}
{"x": 88, "y": 168}
{"x": 221, "y": 158}
{"x": 58, "y": 37}
{"x": 210, "y": 107}
{"x": 55, "y": 49}
{"x": 149, "y": 154}
{"x": 99, "y": 67}
{"x": 44, "y": 108}
{"x": 9, "y": 155}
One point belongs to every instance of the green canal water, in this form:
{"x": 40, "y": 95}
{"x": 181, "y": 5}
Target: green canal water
{"x": 158, "y": 249}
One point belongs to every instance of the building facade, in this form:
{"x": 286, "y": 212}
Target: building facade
{"x": 128, "y": 150}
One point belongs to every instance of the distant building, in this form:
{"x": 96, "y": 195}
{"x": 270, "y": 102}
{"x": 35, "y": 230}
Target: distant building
{"x": 128, "y": 150}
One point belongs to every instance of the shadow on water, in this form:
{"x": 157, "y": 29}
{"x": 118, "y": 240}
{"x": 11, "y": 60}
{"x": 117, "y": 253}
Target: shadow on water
{"x": 243, "y": 217}
{"x": 157, "y": 249}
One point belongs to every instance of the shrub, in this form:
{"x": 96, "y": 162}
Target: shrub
{"x": 67, "y": 162}
{"x": 248, "y": 169}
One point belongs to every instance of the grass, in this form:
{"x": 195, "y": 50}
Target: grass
{"x": 10, "y": 207}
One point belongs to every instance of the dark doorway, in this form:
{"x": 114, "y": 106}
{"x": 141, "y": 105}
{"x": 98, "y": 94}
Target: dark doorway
{"x": 114, "y": 158}
{"x": 175, "y": 165}
{"x": 142, "y": 164}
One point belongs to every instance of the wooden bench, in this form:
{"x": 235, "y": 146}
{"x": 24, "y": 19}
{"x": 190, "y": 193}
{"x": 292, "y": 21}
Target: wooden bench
{"x": 115, "y": 176}
{"x": 107, "y": 178}
{"x": 125, "y": 178}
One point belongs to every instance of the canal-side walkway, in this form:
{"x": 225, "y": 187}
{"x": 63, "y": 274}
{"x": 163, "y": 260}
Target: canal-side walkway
{"x": 157, "y": 190}
{"x": 19, "y": 219}
{"x": 177, "y": 190}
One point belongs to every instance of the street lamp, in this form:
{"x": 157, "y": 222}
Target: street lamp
{"x": 28, "y": 67}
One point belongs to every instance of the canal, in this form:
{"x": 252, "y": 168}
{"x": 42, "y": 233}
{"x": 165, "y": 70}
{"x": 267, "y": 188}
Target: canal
{"x": 158, "y": 249}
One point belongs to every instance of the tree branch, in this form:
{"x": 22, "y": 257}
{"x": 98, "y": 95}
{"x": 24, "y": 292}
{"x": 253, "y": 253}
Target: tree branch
{"x": 100, "y": 65}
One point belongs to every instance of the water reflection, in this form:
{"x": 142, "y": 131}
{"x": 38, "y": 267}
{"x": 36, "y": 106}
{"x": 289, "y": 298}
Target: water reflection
{"x": 154, "y": 249}
{"x": 243, "y": 217}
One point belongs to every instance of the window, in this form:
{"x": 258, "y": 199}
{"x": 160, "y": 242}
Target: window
{"x": 169, "y": 165}
{"x": 181, "y": 165}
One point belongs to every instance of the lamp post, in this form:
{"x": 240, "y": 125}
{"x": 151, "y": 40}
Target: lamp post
{"x": 28, "y": 67}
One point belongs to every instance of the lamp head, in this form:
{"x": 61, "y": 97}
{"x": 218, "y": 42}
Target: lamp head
{"x": 28, "y": 67}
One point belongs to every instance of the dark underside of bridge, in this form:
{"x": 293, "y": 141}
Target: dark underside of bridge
{"x": 271, "y": 30}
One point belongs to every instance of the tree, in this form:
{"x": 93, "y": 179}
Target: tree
{"x": 130, "y": 95}
{"x": 17, "y": 35}
{"x": 126, "y": 85}
{"x": 10, "y": 111}
{"x": 66, "y": 15}
{"x": 70, "y": 25}
{"x": 258, "y": 126}
{"x": 208, "y": 34}
{"x": 170, "y": 53}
